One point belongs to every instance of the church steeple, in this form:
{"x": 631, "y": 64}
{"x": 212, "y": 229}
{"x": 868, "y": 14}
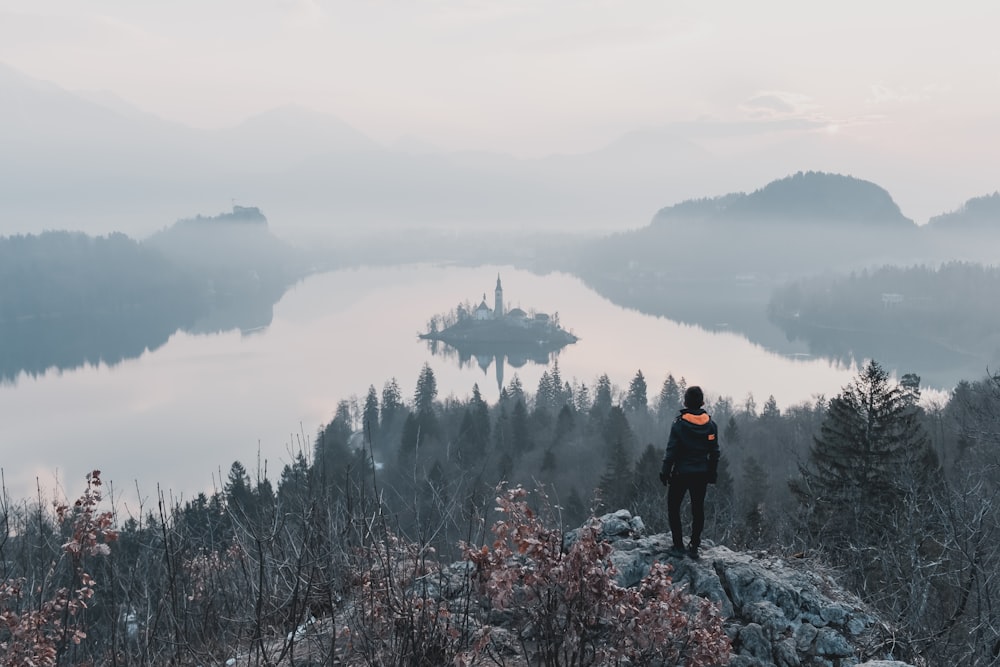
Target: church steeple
{"x": 498, "y": 300}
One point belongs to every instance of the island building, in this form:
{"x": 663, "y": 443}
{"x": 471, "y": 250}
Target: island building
{"x": 497, "y": 335}
{"x": 483, "y": 312}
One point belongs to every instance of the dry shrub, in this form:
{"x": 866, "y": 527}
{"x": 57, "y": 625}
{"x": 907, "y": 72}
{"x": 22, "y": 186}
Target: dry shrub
{"x": 567, "y": 609}
{"x": 396, "y": 618}
{"x": 38, "y": 633}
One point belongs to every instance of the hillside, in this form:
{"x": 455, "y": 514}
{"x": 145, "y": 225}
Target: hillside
{"x": 605, "y": 593}
{"x": 791, "y": 227}
{"x": 805, "y": 197}
{"x": 976, "y": 214}
{"x": 235, "y": 246}
{"x": 68, "y": 299}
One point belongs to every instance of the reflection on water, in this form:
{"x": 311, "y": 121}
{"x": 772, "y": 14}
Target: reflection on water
{"x": 179, "y": 412}
{"x": 497, "y": 355}
{"x": 741, "y": 307}
{"x": 939, "y": 364}
{"x": 32, "y": 346}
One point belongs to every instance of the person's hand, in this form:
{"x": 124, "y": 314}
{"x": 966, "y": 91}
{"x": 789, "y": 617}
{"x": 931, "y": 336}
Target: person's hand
{"x": 664, "y": 478}
{"x": 713, "y": 477}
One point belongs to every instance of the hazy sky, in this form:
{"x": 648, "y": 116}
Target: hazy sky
{"x": 913, "y": 83}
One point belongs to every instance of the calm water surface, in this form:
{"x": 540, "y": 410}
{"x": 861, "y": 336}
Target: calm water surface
{"x": 177, "y": 417}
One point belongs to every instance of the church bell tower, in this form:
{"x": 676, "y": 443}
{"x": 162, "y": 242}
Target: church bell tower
{"x": 498, "y": 300}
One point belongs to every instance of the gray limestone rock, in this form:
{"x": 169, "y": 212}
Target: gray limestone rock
{"x": 778, "y": 611}
{"x": 753, "y": 641}
{"x": 786, "y": 653}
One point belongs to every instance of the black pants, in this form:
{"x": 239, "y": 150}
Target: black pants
{"x": 697, "y": 484}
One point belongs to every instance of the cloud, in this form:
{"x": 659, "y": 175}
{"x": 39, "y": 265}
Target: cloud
{"x": 779, "y": 104}
{"x": 304, "y": 14}
{"x": 882, "y": 94}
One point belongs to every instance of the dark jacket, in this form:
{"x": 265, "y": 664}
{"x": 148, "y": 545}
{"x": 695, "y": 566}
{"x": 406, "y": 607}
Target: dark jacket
{"x": 693, "y": 445}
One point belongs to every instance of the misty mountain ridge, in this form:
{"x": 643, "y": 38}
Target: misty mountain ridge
{"x": 90, "y": 161}
{"x": 804, "y": 197}
{"x": 978, "y": 213}
{"x": 744, "y": 245}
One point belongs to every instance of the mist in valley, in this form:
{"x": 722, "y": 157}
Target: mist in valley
{"x": 233, "y": 236}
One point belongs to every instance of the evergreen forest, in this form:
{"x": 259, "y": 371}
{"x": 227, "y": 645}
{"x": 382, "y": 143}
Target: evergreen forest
{"x": 946, "y": 304}
{"x": 894, "y": 494}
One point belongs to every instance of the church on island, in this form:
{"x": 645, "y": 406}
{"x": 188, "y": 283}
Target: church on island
{"x": 499, "y": 325}
{"x": 483, "y": 311}
{"x": 494, "y": 334}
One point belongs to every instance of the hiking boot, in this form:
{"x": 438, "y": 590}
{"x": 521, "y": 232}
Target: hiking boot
{"x": 677, "y": 552}
{"x": 692, "y": 552}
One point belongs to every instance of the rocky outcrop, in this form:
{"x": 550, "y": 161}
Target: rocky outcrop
{"x": 779, "y": 612}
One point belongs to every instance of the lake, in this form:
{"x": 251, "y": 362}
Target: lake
{"x": 178, "y": 416}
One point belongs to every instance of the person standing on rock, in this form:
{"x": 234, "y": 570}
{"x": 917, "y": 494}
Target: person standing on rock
{"x": 690, "y": 465}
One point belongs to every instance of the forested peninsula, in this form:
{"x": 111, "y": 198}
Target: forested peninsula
{"x": 68, "y": 299}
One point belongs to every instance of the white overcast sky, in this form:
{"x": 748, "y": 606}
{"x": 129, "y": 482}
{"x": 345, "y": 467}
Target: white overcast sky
{"x": 916, "y": 80}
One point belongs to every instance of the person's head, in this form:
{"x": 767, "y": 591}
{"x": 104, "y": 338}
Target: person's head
{"x": 694, "y": 398}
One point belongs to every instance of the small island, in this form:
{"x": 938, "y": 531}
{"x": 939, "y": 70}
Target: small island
{"x": 482, "y": 327}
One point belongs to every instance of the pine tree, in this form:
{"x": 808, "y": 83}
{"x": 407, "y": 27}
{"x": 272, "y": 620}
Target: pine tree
{"x": 617, "y": 489}
{"x": 426, "y": 391}
{"x": 409, "y": 443}
{"x": 602, "y": 400}
{"x": 521, "y": 440}
{"x": 560, "y": 394}
{"x": 731, "y": 433}
{"x": 564, "y": 425}
{"x": 515, "y": 390}
{"x": 770, "y": 410}
{"x": 392, "y": 413}
{"x": 392, "y": 401}
{"x": 617, "y": 431}
{"x": 545, "y": 395}
{"x": 468, "y": 448}
{"x": 423, "y": 400}
{"x": 480, "y": 416}
{"x": 646, "y": 476}
{"x": 855, "y": 481}
{"x": 910, "y": 382}
{"x": 370, "y": 423}
{"x": 474, "y": 433}
{"x": 669, "y": 400}
{"x": 293, "y": 485}
{"x": 239, "y": 495}
{"x": 636, "y": 400}
{"x": 581, "y": 399}
{"x": 502, "y": 433}
{"x": 331, "y": 453}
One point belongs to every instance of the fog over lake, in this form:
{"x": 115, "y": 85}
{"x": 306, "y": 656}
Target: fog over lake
{"x": 177, "y": 416}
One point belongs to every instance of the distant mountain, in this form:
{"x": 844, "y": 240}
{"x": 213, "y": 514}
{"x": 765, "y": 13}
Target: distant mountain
{"x": 285, "y": 136}
{"x": 89, "y": 161}
{"x": 805, "y": 197}
{"x": 977, "y": 214}
{"x": 742, "y": 244}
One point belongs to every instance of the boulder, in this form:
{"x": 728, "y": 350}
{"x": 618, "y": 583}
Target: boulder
{"x": 787, "y": 612}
